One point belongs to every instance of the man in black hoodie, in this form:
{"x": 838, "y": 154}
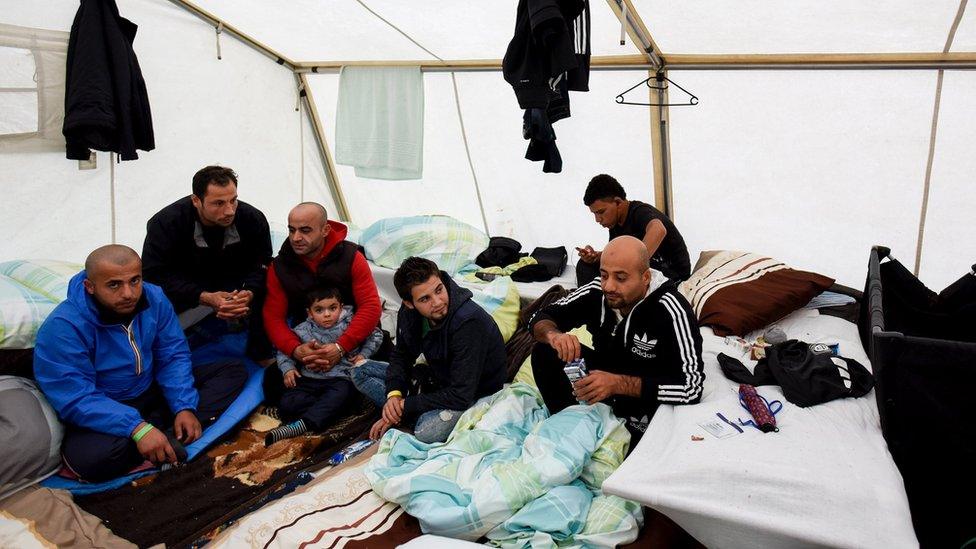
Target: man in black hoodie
{"x": 463, "y": 348}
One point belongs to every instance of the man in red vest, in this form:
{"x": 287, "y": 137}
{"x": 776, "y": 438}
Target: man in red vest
{"x": 317, "y": 254}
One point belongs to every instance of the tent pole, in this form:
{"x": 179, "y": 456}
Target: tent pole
{"x": 111, "y": 172}
{"x": 639, "y": 35}
{"x": 839, "y": 61}
{"x": 323, "y": 145}
{"x": 662, "y": 184}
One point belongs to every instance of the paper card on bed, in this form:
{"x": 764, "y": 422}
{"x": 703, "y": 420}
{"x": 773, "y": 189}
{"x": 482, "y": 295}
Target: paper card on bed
{"x": 719, "y": 429}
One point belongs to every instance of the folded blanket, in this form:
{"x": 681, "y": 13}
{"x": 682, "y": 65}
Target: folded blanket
{"x": 380, "y": 122}
{"x": 513, "y": 474}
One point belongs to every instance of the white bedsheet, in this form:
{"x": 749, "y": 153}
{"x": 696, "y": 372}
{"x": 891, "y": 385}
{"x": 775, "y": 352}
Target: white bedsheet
{"x": 825, "y": 479}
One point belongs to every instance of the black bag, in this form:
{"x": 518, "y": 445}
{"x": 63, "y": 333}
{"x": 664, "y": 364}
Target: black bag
{"x": 501, "y": 251}
{"x": 807, "y": 377}
{"x": 553, "y": 259}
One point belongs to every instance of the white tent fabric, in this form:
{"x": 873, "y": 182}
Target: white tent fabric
{"x": 32, "y": 76}
{"x": 803, "y": 26}
{"x": 239, "y": 112}
{"x": 812, "y": 167}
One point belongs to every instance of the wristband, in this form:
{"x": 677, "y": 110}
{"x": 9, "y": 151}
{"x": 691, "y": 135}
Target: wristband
{"x": 392, "y": 394}
{"x": 341, "y": 350}
{"x": 142, "y": 432}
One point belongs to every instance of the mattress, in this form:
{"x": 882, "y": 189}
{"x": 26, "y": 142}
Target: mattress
{"x": 826, "y": 478}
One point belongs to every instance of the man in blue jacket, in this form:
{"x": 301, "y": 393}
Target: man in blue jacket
{"x": 463, "y": 348}
{"x": 113, "y": 361}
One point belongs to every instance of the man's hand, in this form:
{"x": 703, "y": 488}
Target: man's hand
{"x": 357, "y": 360}
{"x": 228, "y": 305}
{"x": 155, "y": 447}
{"x": 291, "y": 378}
{"x": 379, "y": 429}
{"x": 393, "y": 410}
{"x": 597, "y": 386}
{"x": 567, "y": 346}
{"x": 313, "y": 356}
{"x": 588, "y": 254}
{"x": 186, "y": 427}
{"x": 332, "y": 353}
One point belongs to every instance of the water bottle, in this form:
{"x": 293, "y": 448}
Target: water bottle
{"x": 349, "y": 451}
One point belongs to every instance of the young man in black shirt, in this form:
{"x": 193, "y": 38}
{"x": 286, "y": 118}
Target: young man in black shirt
{"x": 209, "y": 252}
{"x": 607, "y": 200}
{"x": 647, "y": 349}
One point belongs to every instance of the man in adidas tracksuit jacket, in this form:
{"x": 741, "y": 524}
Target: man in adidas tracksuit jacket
{"x": 647, "y": 347}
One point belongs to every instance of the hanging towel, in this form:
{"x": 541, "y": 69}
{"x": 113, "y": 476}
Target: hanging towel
{"x": 380, "y": 122}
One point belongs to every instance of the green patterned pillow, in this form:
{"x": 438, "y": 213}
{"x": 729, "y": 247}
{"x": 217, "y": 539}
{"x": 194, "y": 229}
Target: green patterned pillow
{"x": 442, "y": 239}
{"x": 22, "y": 312}
{"x": 500, "y": 298}
{"x": 48, "y": 277}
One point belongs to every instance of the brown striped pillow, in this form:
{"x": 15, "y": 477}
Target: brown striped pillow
{"x": 738, "y": 292}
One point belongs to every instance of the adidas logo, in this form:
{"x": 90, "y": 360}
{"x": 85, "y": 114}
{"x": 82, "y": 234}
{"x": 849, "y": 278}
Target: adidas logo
{"x": 642, "y": 342}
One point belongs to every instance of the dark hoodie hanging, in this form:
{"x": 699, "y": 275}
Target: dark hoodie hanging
{"x": 106, "y": 106}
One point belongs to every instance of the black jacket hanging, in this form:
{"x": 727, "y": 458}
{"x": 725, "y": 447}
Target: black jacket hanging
{"x": 548, "y": 56}
{"x": 808, "y": 375}
{"x": 106, "y": 106}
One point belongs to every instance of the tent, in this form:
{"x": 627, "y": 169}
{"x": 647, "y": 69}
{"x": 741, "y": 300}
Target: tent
{"x": 822, "y": 128}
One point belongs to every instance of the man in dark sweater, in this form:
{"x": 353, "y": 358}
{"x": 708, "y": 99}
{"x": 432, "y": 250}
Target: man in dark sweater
{"x": 209, "y": 252}
{"x": 607, "y": 200}
{"x": 647, "y": 349}
{"x": 463, "y": 348}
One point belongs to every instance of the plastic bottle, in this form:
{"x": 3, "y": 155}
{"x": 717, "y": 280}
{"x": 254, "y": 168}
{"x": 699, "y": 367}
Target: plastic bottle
{"x": 349, "y": 451}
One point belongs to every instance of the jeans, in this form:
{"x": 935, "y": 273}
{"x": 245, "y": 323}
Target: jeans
{"x": 431, "y": 426}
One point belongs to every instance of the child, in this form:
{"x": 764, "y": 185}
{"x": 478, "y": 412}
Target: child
{"x": 313, "y": 397}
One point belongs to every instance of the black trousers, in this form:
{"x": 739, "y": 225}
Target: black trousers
{"x": 317, "y": 401}
{"x": 557, "y": 391}
{"x": 96, "y": 456}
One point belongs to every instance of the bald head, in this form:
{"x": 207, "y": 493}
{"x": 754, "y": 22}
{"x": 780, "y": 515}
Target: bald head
{"x": 308, "y": 227}
{"x": 624, "y": 274}
{"x": 113, "y": 254}
{"x": 628, "y": 252}
{"x": 114, "y": 278}
{"x": 310, "y": 208}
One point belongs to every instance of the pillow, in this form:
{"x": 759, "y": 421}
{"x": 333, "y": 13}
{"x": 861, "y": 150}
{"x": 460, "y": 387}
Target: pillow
{"x": 29, "y": 422}
{"x": 48, "y": 277}
{"x": 738, "y": 292}
{"x": 444, "y": 240}
{"x": 22, "y": 311}
{"x": 500, "y": 298}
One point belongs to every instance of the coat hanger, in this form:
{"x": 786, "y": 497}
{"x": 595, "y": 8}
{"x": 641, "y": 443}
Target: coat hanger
{"x": 660, "y": 83}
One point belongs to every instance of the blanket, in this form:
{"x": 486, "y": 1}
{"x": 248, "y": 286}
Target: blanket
{"x": 511, "y": 473}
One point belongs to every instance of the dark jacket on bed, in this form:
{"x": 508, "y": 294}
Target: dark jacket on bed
{"x": 465, "y": 355}
{"x": 176, "y": 254}
{"x": 106, "y": 106}
{"x": 658, "y": 341}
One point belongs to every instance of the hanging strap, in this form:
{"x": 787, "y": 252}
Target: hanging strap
{"x": 623, "y": 23}
{"x": 220, "y": 29}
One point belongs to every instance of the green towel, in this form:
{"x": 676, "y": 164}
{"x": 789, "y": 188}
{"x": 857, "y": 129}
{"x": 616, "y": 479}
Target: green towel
{"x": 380, "y": 122}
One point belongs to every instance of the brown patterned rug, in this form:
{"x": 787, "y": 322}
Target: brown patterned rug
{"x": 178, "y": 506}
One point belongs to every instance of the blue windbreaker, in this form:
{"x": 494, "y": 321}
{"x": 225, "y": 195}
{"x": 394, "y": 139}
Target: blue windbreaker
{"x": 86, "y": 367}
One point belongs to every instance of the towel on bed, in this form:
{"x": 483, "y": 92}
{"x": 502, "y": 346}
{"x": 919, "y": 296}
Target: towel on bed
{"x": 510, "y": 472}
{"x": 380, "y": 122}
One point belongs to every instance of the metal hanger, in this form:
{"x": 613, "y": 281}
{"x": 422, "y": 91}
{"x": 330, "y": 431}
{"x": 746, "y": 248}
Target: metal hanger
{"x": 661, "y": 83}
